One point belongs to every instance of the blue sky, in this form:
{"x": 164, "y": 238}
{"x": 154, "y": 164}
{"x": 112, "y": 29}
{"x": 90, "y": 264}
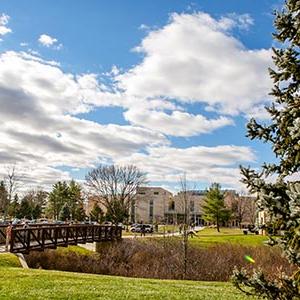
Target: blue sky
{"x": 166, "y": 85}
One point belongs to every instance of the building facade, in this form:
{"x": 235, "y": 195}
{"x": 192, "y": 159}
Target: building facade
{"x": 150, "y": 205}
{"x": 156, "y": 205}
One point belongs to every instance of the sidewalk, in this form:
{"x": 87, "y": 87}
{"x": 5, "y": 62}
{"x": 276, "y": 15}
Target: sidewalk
{"x": 2, "y": 249}
{"x": 92, "y": 246}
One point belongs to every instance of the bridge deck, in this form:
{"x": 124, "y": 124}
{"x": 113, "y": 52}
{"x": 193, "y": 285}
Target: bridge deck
{"x": 24, "y": 240}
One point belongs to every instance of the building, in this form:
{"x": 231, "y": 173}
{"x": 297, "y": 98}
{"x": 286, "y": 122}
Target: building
{"x": 158, "y": 205}
{"x": 188, "y": 203}
{"x": 155, "y": 204}
{"x": 150, "y": 204}
{"x": 243, "y": 209}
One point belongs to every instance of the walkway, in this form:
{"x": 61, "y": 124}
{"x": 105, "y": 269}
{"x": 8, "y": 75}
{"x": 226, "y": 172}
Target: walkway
{"x": 24, "y": 240}
{"x": 92, "y": 247}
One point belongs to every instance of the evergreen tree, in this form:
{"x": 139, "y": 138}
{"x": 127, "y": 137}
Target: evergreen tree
{"x": 24, "y": 210}
{"x": 96, "y": 213}
{"x": 4, "y": 201}
{"x": 280, "y": 199}
{"x": 214, "y": 208}
{"x": 79, "y": 214}
{"x": 65, "y": 213}
{"x": 57, "y": 198}
{"x": 75, "y": 201}
{"x": 14, "y": 207}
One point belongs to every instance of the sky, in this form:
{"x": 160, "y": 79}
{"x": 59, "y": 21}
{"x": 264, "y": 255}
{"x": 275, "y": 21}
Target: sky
{"x": 168, "y": 86}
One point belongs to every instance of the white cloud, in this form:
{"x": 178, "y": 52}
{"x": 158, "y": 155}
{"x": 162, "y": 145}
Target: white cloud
{"x": 194, "y": 58}
{"x": 177, "y": 123}
{"x": 3, "y": 22}
{"x": 244, "y": 21}
{"x": 202, "y": 164}
{"x": 47, "y": 41}
{"x": 39, "y": 126}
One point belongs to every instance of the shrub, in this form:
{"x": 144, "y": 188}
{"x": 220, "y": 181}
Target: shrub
{"x": 163, "y": 260}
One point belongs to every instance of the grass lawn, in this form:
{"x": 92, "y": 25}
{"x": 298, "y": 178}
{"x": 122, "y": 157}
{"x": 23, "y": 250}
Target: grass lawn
{"x": 9, "y": 260}
{"x": 210, "y": 236}
{"x": 76, "y": 249}
{"x": 40, "y": 284}
{"x": 168, "y": 228}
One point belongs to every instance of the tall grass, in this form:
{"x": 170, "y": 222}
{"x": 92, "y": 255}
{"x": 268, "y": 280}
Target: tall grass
{"x": 163, "y": 260}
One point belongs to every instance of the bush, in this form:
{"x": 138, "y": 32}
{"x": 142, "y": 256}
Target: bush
{"x": 163, "y": 260}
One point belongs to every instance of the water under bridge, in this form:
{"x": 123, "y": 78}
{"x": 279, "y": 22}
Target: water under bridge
{"x": 38, "y": 237}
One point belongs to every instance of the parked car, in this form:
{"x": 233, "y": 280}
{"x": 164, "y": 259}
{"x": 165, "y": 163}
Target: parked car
{"x": 43, "y": 221}
{"x": 107, "y": 223}
{"x": 121, "y": 225}
{"x": 138, "y": 228}
{"x": 251, "y": 229}
{"x": 16, "y": 221}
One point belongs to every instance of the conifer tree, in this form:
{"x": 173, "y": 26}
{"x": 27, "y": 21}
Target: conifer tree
{"x": 57, "y": 198}
{"x": 75, "y": 201}
{"x": 65, "y": 213}
{"x": 4, "y": 201}
{"x": 280, "y": 199}
{"x": 214, "y": 208}
{"x": 96, "y": 214}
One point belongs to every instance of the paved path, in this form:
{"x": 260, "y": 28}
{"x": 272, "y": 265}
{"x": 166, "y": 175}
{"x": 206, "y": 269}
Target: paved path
{"x": 2, "y": 249}
{"x": 92, "y": 246}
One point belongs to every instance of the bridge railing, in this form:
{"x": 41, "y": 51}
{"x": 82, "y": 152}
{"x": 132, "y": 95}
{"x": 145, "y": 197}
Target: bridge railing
{"x": 2, "y": 234}
{"x": 24, "y": 240}
{"x": 3, "y": 229}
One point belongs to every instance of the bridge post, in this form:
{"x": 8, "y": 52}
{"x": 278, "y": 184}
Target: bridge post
{"x": 27, "y": 239}
{"x": 43, "y": 238}
{"x": 11, "y": 242}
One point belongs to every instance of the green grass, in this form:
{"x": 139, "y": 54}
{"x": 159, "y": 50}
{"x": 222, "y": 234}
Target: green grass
{"x": 168, "y": 228}
{"x": 76, "y": 249}
{"x": 9, "y": 260}
{"x": 41, "y": 284}
{"x": 210, "y": 236}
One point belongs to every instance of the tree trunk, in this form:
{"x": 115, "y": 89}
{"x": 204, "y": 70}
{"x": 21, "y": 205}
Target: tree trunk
{"x": 218, "y": 226}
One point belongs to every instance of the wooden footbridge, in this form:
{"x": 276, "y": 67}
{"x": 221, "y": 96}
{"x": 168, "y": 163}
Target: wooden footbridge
{"x": 50, "y": 236}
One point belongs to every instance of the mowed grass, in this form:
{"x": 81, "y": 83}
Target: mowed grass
{"x": 17, "y": 283}
{"x": 40, "y": 284}
{"x": 9, "y": 260}
{"x": 76, "y": 249}
{"x": 210, "y": 236}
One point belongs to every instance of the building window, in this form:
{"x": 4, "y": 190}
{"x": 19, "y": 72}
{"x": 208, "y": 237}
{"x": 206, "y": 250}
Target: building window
{"x": 172, "y": 205}
{"x": 151, "y": 210}
{"x": 156, "y": 193}
{"x": 192, "y": 205}
{"x": 132, "y": 212}
{"x": 142, "y": 193}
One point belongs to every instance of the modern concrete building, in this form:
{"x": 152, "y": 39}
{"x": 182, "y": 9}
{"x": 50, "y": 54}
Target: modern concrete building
{"x": 155, "y": 204}
{"x": 150, "y": 204}
{"x": 158, "y": 205}
{"x": 189, "y": 203}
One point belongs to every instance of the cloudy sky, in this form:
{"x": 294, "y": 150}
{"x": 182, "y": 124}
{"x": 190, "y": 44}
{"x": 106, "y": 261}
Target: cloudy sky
{"x": 166, "y": 85}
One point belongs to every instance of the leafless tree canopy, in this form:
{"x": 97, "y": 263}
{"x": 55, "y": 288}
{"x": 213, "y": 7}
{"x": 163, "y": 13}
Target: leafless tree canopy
{"x": 115, "y": 185}
{"x": 244, "y": 209}
{"x": 11, "y": 181}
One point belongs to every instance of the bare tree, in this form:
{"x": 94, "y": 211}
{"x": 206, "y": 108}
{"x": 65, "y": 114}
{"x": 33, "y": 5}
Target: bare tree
{"x": 238, "y": 208}
{"x": 243, "y": 209}
{"x": 11, "y": 181}
{"x": 186, "y": 212}
{"x": 115, "y": 186}
{"x": 251, "y": 209}
{"x": 184, "y": 206}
